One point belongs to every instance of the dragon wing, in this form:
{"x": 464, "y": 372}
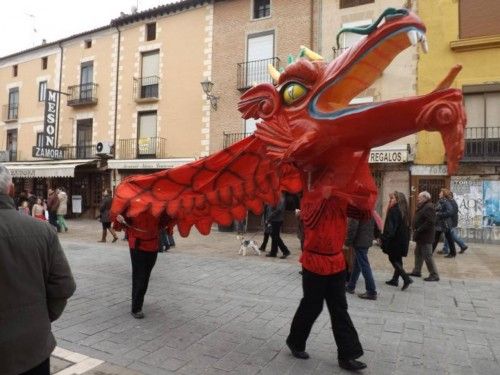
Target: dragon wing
{"x": 219, "y": 188}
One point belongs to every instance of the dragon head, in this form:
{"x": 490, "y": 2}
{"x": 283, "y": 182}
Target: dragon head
{"x": 309, "y": 112}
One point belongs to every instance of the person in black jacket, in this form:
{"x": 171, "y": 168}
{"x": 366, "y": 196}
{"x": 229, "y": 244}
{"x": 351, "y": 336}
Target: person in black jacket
{"x": 396, "y": 237}
{"x": 423, "y": 234}
{"x": 275, "y": 216}
{"x": 444, "y": 213}
{"x": 104, "y": 216}
{"x": 454, "y": 218}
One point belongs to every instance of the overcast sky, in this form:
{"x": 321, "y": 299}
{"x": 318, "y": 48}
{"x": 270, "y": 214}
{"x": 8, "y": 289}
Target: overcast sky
{"x": 24, "y": 23}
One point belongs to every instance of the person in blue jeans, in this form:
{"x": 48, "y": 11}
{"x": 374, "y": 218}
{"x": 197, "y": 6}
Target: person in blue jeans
{"x": 360, "y": 235}
{"x": 454, "y": 232}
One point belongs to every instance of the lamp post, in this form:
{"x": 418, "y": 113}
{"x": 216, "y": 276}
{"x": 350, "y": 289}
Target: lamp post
{"x": 207, "y": 87}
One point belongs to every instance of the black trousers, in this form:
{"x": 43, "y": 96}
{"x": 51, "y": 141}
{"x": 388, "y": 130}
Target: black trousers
{"x": 276, "y": 241}
{"x": 142, "y": 265}
{"x": 449, "y": 238}
{"x": 318, "y": 288}
{"x": 42, "y": 369}
{"x": 53, "y": 220}
{"x": 397, "y": 263}
{"x": 264, "y": 241}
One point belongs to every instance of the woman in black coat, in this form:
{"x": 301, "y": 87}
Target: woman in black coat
{"x": 396, "y": 237}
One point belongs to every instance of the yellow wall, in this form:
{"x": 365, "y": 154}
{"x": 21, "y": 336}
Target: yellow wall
{"x": 479, "y": 66}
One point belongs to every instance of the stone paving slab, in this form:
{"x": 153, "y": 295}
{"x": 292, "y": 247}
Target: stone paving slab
{"x": 230, "y": 315}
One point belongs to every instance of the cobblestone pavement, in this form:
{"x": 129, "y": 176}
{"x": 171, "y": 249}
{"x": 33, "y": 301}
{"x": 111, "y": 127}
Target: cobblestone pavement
{"x": 209, "y": 311}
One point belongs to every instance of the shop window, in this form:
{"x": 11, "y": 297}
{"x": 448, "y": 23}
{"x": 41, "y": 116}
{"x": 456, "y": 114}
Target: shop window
{"x": 261, "y": 8}
{"x": 14, "y": 70}
{"x": 151, "y": 31}
{"x": 479, "y": 18}
{"x": 44, "y": 63}
{"x": 354, "y": 3}
{"x": 42, "y": 89}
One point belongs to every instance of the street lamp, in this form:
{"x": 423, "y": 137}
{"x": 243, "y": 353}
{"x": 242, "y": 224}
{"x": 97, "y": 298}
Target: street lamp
{"x": 207, "y": 87}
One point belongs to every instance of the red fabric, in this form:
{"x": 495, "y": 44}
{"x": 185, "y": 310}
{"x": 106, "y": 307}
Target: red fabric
{"x": 143, "y": 231}
{"x": 41, "y": 217}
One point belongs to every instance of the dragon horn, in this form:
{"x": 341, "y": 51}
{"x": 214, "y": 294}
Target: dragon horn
{"x": 310, "y": 54}
{"x": 273, "y": 72}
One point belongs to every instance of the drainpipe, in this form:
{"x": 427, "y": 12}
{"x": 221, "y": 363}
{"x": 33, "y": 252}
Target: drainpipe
{"x": 59, "y": 98}
{"x": 116, "y": 100}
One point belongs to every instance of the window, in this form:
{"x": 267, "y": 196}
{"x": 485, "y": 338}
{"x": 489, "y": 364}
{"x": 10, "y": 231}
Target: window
{"x": 353, "y": 3}
{"x": 39, "y": 139}
{"x": 88, "y": 43}
{"x": 349, "y": 39}
{"x": 151, "y": 31}
{"x": 13, "y": 104}
{"x": 14, "y": 70}
{"x": 86, "y": 80}
{"x": 479, "y": 19}
{"x": 260, "y": 52}
{"x": 44, "y": 63}
{"x": 146, "y": 138}
{"x": 84, "y": 138}
{"x": 149, "y": 74}
{"x": 261, "y": 8}
{"x": 42, "y": 88}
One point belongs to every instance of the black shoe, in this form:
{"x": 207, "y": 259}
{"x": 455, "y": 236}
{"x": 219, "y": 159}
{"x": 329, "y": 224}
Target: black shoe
{"x": 463, "y": 249}
{"x": 297, "y": 353}
{"x": 406, "y": 284}
{"x": 449, "y": 256}
{"x": 351, "y": 364}
{"x": 392, "y": 282}
{"x": 416, "y": 274}
{"x": 270, "y": 255}
{"x": 350, "y": 291}
{"x": 262, "y": 249}
{"x": 138, "y": 314}
{"x": 285, "y": 255}
{"x": 372, "y": 297}
{"x": 114, "y": 239}
{"x": 431, "y": 278}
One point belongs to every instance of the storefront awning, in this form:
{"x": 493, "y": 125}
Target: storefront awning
{"x": 53, "y": 168}
{"x": 148, "y": 163}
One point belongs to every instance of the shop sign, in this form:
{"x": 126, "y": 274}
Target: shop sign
{"x": 429, "y": 170}
{"x": 23, "y": 173}
{"x": 395, "y": 156}
{"x": 46, "y": 152}
{"x": 48, "y": 149}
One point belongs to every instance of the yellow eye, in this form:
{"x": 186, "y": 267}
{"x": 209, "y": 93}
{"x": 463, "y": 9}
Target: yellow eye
{"x": 293, "y": 92}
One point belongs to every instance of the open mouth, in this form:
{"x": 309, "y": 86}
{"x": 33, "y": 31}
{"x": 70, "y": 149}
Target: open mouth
{"x": 358, "y": 67}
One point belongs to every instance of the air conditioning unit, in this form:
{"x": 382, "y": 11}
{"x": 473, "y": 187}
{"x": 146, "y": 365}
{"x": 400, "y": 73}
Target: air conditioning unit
{"x": 104, "y": 148}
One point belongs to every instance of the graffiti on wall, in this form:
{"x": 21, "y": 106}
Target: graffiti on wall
{"x": 468, "y": 193}
{"x": 491, "y": 190}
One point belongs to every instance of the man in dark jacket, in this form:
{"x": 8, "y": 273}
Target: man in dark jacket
{"x": 423, "y": 234}
{"x": 444, "y": 213}
{"x": 35, "y": 283}
{"x": 454, "y": 225}
{"x": 52, "y": 206}
{"x": 275, "y": 216}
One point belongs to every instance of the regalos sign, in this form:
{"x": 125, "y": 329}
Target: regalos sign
{"x": 48, "y": 147}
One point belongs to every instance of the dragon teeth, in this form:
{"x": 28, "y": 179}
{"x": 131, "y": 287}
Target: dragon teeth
{"x": 413, "y": 37}
{"x": 425, "y": 46}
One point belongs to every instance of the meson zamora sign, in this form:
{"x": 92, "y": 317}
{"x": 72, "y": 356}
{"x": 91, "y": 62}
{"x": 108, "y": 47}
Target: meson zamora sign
{"x": 47, "y": 149}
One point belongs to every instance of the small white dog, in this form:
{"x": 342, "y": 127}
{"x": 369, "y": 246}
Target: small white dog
{"x": 247, "y": 245}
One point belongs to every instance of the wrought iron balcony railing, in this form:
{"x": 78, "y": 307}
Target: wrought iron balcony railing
{"x": 252, "y": 72}
{"x": 146, "y": 88}
{"x": 482, "y": 143}
{"x": 10, "y": 112}
{"x": 231, "y": 138}
{"x": 142, "y": 148}
{"x": 79, "y": 152}
{"x": 84, "y": 94}
{"x": 338, "y": 51}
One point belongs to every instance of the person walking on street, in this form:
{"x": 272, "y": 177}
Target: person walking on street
{"x": 105, "y": 218}
{"x": 267, "y": 228}
{"x": 143, "y": 233}
{"x": 444, "y": 213}
{"x": 52, "y": 205}
{"x": 275, "y": 216}
{"x": 423, "y": 234}
{"x": 38, "y": 210}
{"x": 35, "y": 283}
{"x": 62, "y": 210}
{"x": 396, "y": 237}
{"x": 360, "y": 230}
{"x": 454, "y": 231}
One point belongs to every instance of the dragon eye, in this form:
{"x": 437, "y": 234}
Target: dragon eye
{"x": 293, "y": 92}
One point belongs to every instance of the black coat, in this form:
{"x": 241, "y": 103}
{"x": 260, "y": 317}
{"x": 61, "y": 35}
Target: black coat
{"x": 359, "y": 233}
{"x": 444, "y": 213}
{"x": 424, "y": 223}
{"x": 104, "y": 209}
{"x": 396, "y": 235}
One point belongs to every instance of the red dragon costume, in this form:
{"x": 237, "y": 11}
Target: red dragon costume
{"x": 311, "y": 140}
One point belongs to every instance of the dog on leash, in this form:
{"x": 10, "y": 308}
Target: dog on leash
{"x": 247, "y": 245}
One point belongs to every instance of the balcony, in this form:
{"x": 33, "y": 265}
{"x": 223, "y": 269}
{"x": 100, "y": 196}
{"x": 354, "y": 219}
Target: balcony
{"x": 10, "y": 112}
{"x": 79, "y": 152}
{"x": 482, "y": 144}
{"x": 232, "y": 138}
{"x": 82, "y": 95}
{"x": 143, "y": 148}
{"x": 338, "y": 51}
{"x": 146, "y": 89}
{"x": 254, "y": 72}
